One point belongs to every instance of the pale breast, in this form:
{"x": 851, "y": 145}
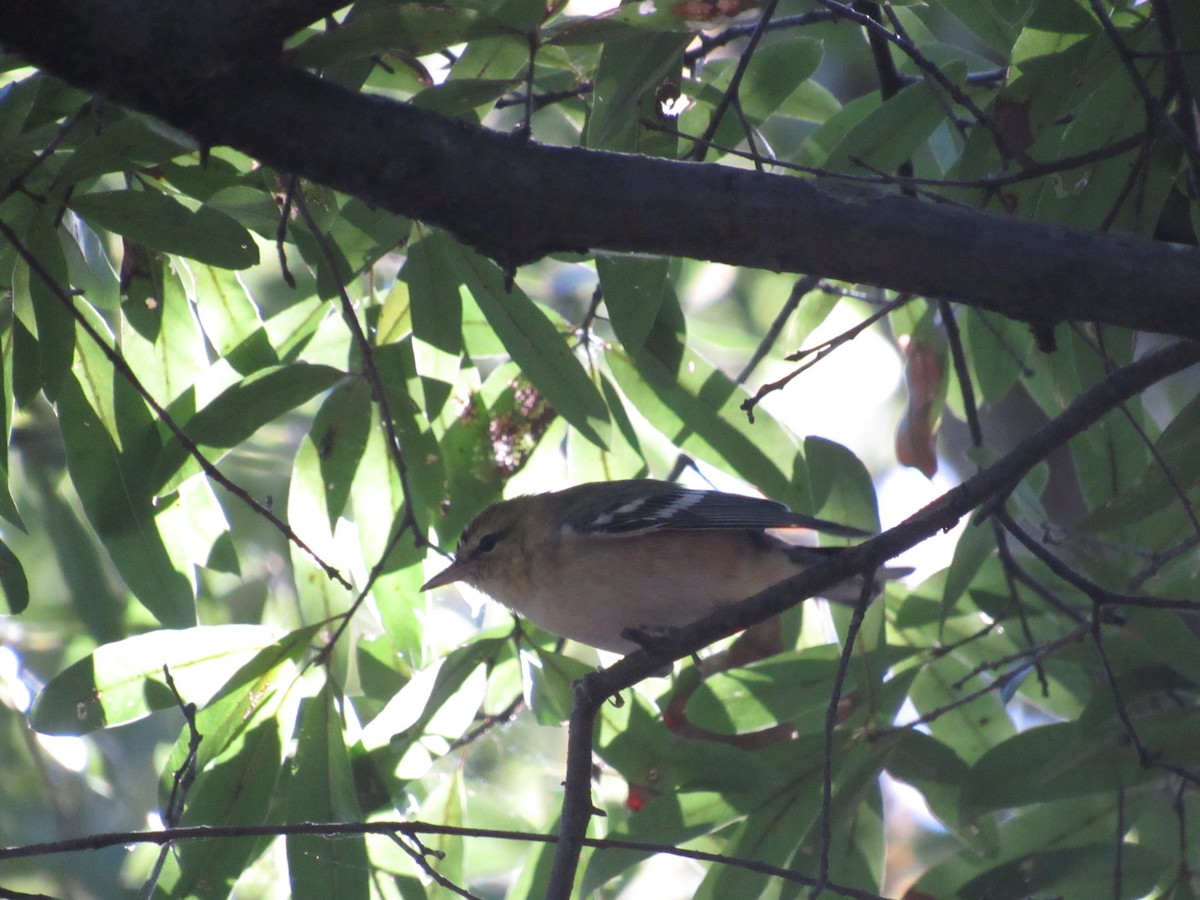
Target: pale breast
{"x": 591, "y": 588}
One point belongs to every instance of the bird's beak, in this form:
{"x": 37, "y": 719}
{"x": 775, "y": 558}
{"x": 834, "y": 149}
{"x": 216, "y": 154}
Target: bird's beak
{"x": 456, "y": 571}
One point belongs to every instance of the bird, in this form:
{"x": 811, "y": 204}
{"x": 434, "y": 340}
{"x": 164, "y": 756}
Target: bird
{"x": 605, "y": 563}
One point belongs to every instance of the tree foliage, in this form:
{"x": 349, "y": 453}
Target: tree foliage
{"x": 293, "y": 291}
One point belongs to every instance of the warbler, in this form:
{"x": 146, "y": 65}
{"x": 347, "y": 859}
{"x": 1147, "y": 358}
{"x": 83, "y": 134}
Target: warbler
{"x": 597, "y": 562}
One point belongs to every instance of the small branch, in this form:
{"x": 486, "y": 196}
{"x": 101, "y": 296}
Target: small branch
{"x": 1179, "y": 86}
{"x": 420, "y": 857}
{"x": 577, "y": 808}
{"x": 1001, "y": 681}
{"x": 818, "y": 353}
{"x": 801, "y": 288}
{"x": 181, "y": 782}
{"x": 831, "y": 720}
{"x": 706, "y": 44}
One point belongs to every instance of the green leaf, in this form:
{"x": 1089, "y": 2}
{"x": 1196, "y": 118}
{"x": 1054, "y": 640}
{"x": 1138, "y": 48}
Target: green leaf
{"x": 627, "y": 77}
{"x": 238, "y": 413}
{"x": 111, "y": 480}
{"x": 339, "y": 432}
{"x": 999, "y": 348}
{"x": 934, "y": 769}
{"x": 551, "y": 686}
{"x": 1064, "y": 841}
{"x": 841, "y": 485}
{"x": 791, "y": 687}
{"x": 230, "y": 319}
{"x": 255, "y": 692}
{"x": 1177, "y": 466}
{"x": 698, "y": 409}
{"x": 632, "y": 287}
{"x": 975, "y": 546}
{"x": 891, "y": 134}
{"x": 970, "y": 728}
{"x": 122, "y": 682}
{"x": 433, "y": 283}
{"x": 165, "y": 224}
{"x": 674, "y": 818}
{"x": 414, "y": 29}
{"x": 125, "y": 138}
{"x": 160, "y": 336}
{"x": 1072, "y": 871}
{"x": 13, "y": 585}
{"x": 781, "y": 63}
{"x": 449, "y": 691}
{"x": 1064, "y": 760}
{"x": 321, "y": 789}
{"x": 537, "y": 347}
{"x": 236, "y": 791}
{"x": 995, "y": 22}
{"x": 55, "y": 324}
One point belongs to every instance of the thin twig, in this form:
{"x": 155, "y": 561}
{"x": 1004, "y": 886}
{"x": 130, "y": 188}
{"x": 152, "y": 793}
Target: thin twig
{"x": 933, "y": 72}
{"x": 816, "y": 354}
{"x": 831, "y": 720}
{"x": 379, "y": 392}
{"x": 735, "y": 82}
{"x": 180, "y": 784}
{"x": 800, "y": 289}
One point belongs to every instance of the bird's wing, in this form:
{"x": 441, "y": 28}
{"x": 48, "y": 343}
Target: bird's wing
{"x": 670, "y": 507}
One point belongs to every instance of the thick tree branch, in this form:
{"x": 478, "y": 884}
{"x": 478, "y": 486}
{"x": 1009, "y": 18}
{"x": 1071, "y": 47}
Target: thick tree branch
{"x": 518, "y": 201}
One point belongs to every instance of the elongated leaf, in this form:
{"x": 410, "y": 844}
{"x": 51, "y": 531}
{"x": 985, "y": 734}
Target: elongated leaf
{"x": 1066, "y": 760}
{"x": 55, "y": 324}
{"x": 243, "y": 730}
{"x": 699, "y": 409}
{"x": 230, "y": 319}
{"x": 165, "y": 224}
{"x": 160, "y": 336}
{"x": 891, "y": 134}
{"x": 111, "y": 481}
{"x": 321, "y": 789}
{"x": 433, "y": 284}
{"x": 672, "y": 818}
{"x": 235, "y": 791}
{"x": 783, "y": 688}
{"x": 974, "y": 547}
{"x": 124, "y": 139}
{"x": 124, "y": 681}
{"x": 632, "y": 287}
{"x": 627, "y": 77}
{"x": 416, "y": 29}
{"x": 13, "y": 585}
{"x": 239, "y": 412}
{"x": 340, "y": 432}
{"x": 779, "y": 65}
{"x": 255, "y": 691}
{"x": 841, "y": 485}
{"x": 537, "y": 347}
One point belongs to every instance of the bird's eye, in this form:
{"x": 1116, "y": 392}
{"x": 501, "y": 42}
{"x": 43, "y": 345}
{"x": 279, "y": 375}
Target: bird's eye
{"x": 487, "y": 543}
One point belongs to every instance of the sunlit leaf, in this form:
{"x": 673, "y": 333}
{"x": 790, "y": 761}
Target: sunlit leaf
{"x": 123, "y": 682}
